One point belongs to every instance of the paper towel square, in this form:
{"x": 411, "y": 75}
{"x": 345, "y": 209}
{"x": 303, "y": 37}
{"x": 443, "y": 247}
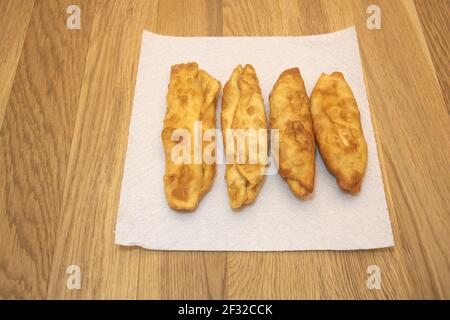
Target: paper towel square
{"x": 277, "y": 221}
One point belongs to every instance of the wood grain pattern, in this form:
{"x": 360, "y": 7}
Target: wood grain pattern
{"x": 435, "y": 16}
{"x": 34, "y": 147}
{"x": 12, "y": 37}
{"x": 63, "y": 142}
{"x": 95, "y": 166}
{"x": 406, "y": 92}
{"x": 190, "y": 17}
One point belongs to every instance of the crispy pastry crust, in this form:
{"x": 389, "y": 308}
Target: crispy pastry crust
{"x": 191, "y": 97}
{"x": 289, "y": 113}
{"x": 338, "y": 131}
{"x": 243, "y": 108}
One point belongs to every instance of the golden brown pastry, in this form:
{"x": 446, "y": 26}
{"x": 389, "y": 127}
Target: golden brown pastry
{"x": 191, "y": 97}
{"x": 289, "y": 113}
{"x": 337, "y": 127}
{"x": 243, "y": 108}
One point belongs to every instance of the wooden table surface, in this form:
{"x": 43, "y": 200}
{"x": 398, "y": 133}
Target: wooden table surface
{"x": 65, "y": 103}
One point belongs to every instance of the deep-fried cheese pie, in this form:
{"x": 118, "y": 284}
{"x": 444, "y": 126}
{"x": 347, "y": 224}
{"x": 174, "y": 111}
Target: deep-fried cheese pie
{"x": 243, "y": 109}
{"x": 290, "y": 115}
{"x": 338, "y": 131}
{"x": 191, "y": 97}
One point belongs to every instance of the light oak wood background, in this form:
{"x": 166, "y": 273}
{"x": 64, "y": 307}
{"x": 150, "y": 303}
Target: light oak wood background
{"x": 65, "y": 103}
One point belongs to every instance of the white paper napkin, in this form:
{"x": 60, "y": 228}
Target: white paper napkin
{"x": 277, "y": 221}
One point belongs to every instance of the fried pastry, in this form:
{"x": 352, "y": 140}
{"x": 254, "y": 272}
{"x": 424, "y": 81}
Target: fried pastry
{"x": 338, "y": 131}
{"x": 243, "y": 110}
{"x": 191, "y": 97}
{"x": 289, "y": 113}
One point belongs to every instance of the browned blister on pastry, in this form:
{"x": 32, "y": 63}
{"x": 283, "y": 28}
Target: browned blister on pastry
{"x": 289, "y": 114}
{"x": 191, "y": 97}
{"x": 243, "y": 112}
{"x": 338, "y": 131}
